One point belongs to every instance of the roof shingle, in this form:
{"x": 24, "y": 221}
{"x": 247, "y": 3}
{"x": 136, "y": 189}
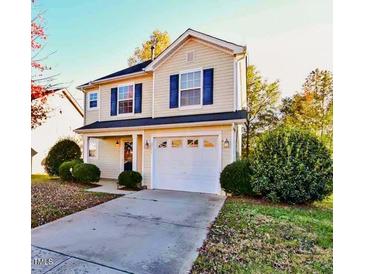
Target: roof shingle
{"x": 222, "y": 116}
{"x": 133, "y": 69}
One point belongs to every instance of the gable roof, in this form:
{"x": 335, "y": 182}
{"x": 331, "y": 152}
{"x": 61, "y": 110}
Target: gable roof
{"x": 115, "y": 75}
{"x": 73, "y": 101}
{"x": 69, "y": 97}
{"x": 149, "y": 65}
{"x": 189, "y": 33}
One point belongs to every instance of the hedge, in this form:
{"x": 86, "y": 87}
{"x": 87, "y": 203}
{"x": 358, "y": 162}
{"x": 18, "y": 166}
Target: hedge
{"x": 290, "y": 165}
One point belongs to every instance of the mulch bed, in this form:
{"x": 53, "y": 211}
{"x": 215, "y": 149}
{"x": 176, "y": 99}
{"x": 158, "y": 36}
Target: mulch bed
{"x": 52, "y": 200}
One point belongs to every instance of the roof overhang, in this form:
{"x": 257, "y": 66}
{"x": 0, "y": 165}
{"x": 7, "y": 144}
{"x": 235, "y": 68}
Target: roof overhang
{"x": 111, "y": 131}
{"x": 166, "y": 122}
{"x": 73, "y": 102}
{"x": 190, "y": 33}
{"x": 108, "y": 80}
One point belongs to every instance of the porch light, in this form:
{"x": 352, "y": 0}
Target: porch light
{"x": 226, "y": 143}
{"x": 117, "y": 143}
{"x": 147, "y": 144}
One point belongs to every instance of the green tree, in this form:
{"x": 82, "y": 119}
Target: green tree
{"x": 262, "y": 100}
{"x": 312, "y": 107}
{"x": 160, "y": 40}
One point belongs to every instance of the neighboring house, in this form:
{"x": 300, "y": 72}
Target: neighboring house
{"x": 65, "y": 115}
{"x": 177, "y": 119}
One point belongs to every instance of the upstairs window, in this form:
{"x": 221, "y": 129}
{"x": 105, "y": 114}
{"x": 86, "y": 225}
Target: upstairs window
{"x": 93, "y": 100}
{"x": 190, "y": 88}
{"x": 125, "y": 99}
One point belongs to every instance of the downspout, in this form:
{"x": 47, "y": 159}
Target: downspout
{"x": 83, "y": 91}
{"x": 247, "y": 112}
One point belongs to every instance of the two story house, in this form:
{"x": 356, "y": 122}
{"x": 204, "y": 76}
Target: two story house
{"x": 177, "y": 119}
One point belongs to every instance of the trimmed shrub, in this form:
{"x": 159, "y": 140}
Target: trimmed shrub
{"x": 130, "y": 179}
{"x": 235, "y": 178}
{"x": 65, "y": 169}
{"x": 290, "y": 165}
{"x": 86, "y": 173}
{"x": 64, "y": 150}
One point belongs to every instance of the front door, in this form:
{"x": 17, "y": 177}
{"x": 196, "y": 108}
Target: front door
{"x": 128, "y": 155}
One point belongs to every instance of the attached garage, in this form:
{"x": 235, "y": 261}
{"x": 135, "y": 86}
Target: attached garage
{"x": 187, "y": 163}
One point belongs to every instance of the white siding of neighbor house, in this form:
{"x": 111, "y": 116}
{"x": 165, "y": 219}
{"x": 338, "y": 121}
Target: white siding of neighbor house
{"x": 62, "y": 119}
{"x": 204, "y": 57}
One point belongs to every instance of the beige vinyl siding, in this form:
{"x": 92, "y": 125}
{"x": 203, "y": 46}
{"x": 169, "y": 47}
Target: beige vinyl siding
{"x": 105, "y": 92}
{"x": 226, "y": 152}
{"x": 108, "y": 157}
{"x": 91, "y": 116}
{"x": 104, "y": 100}
{"x": 204, "y": 57}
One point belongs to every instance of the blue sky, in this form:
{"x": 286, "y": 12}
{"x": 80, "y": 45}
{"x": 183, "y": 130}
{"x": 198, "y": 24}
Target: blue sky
{"x": 286, "y": 39}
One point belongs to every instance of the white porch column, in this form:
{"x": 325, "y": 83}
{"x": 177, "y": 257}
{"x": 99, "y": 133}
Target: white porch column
{"x": 135, "y": 152}
{"x": 85, "y": 148}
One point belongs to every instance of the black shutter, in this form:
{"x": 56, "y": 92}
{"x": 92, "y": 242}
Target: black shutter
{"x": 113, "y": 101}
{"x": 208, "y": 86}
{"x": 174, "y": 91}
{"x": 138, "y": 98}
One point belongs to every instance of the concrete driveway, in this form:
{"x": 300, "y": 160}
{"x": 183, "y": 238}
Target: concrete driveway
{"x": 150, "y": 231}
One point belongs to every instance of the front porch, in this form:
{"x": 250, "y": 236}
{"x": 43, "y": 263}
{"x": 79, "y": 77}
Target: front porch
{"x": 114, "y": 154}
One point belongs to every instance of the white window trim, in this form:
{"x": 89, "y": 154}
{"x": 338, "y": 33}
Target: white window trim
{"x": 97, "y": 101}
{"x": 97, "y": 148}
{"x": 129, "y": 113}
{"x": 201, "y": 89}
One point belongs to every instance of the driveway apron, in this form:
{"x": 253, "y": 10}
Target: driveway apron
{"x": 150, "y": 231}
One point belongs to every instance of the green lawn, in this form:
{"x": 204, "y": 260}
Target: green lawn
{"x": 42, "y": 178}
{"x": 251, "y": 236}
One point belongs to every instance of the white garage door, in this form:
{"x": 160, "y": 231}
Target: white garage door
{"x": 187, "y": 164}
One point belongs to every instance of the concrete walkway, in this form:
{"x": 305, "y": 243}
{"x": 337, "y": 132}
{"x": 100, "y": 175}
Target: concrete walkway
{"x": 109, "y": 186}
{"x": 150, "y": 231}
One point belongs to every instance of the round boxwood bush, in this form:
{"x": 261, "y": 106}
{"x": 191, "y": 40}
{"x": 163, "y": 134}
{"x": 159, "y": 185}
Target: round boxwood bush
{"x": 65, "y": 169}
{"x": 64, "y": 150}
{"x": 235, "y": 178}
{"x": 290, "y": 165}
{"x": 86, "y": 173}
{"x": 130, "y": 179}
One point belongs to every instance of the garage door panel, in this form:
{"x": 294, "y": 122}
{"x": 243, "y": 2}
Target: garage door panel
{"x": 187, "y": 164}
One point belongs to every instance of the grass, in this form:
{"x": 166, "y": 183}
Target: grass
{"x": 251, "y": 236}
{"x": 52, "y": 199}
{"x": 326, "y": 203}
{"x": 37, "y": 178}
